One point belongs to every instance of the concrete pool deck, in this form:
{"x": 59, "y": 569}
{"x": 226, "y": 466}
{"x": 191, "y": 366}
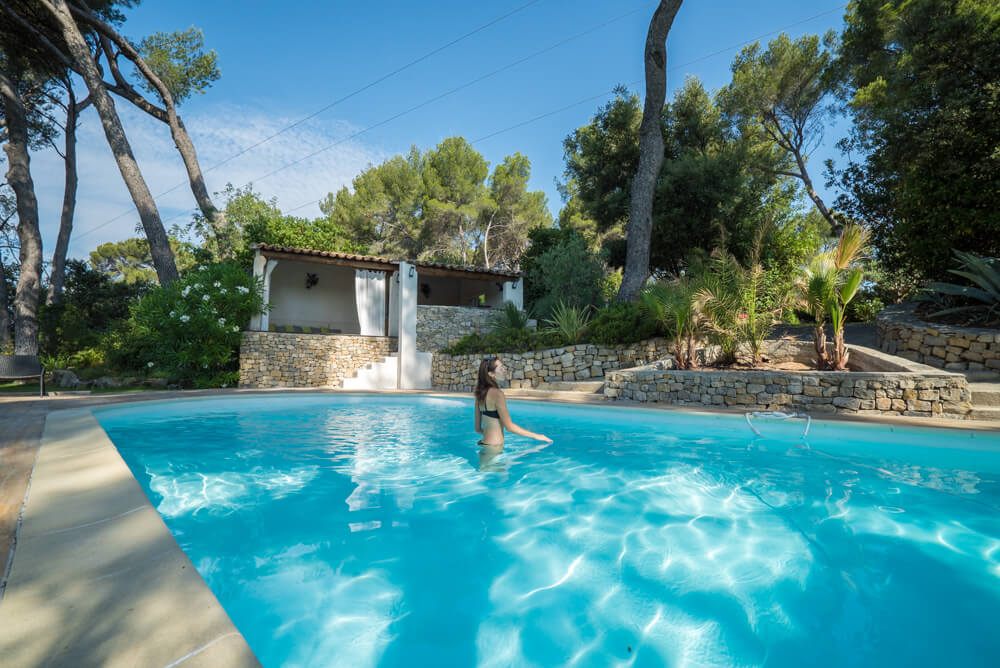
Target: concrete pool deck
{"x": 95, "y": 577}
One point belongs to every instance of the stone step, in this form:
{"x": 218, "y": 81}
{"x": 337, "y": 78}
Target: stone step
{"x": 582, "y": 397}
{"x": 981, "y": 376}
{"x": 985, "y": 395}
{"x": 588, "y": 386}
{"x": 989, "y": 414}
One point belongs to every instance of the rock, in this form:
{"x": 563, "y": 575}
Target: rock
{"x": 65, "y": 378}
{"x": 106, "y": 382}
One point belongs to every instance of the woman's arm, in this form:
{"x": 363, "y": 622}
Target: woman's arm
{"x": 479, "y": 419}
{"x": 508, "y": 424}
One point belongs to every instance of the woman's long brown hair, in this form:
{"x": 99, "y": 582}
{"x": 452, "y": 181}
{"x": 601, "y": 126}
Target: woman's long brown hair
{"x": 485, "y": 381}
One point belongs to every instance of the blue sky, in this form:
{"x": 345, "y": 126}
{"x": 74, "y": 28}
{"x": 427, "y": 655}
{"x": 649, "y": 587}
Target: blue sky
{"x": 281, "y": 62}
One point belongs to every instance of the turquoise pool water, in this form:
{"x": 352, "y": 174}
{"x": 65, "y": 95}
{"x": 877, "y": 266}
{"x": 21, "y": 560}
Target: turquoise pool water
{"x": 343, "y": 530}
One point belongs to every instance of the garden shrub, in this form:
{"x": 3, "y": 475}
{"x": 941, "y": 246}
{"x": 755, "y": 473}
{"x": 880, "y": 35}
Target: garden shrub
{"x": 560, "y": 267}
{"x": 864, "y": 307}
{"x": 621, "y": 322}
{"x": 92, "y": 304}
{"x": 193, "y": 325}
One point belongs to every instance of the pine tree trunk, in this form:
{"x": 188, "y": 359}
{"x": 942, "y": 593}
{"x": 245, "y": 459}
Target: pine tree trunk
{"x": 179, "y": 133}
{"x": 5, "y": 318}
{"x": 640, "y": 217}
{"x": 58, "y": 275}
{"x": 159, "y": 245}
{"x": 29, "y": 281}
{"x": 813, "y": 195}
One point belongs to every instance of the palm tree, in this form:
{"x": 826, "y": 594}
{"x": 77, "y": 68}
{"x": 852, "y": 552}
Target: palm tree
{"x": 672, "y": 305}
{"x": 849, "y": 251}
{"x": 826, "y": 286}
{"x": 814, "y": 288}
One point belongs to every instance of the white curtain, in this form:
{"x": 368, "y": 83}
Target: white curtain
{"x": 369, "y": 292}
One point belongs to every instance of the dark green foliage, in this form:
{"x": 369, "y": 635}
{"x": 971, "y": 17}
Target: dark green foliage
{"x": 717, "y": 186}
{"x": 865, "y": 306}
{"x": 442, "y": 205}
{"x": 92, "y": 304}
{"x": 619, "y": 323}
{"x": 255, "y": 220}
{"x": 180, "y": 62}
{"x": 560, "y": 266}
{"x": 922, "y": 81}
{"x": 508, "y": 342}
{"x": 509, "y": 319}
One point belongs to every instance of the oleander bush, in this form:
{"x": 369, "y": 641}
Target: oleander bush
{"x": 191, "y": 328}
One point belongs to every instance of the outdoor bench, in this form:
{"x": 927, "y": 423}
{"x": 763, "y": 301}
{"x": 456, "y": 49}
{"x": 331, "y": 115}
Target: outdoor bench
{"x": 23, "y": 367}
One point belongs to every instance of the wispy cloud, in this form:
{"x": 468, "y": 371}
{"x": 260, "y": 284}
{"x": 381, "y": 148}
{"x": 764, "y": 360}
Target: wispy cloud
{"x": 217, "y": 133}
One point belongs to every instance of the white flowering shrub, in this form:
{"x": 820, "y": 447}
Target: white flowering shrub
{"x": 193, "y": 326}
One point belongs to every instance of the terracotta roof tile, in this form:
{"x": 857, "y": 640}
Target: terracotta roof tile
{"x": 385, "y": 260}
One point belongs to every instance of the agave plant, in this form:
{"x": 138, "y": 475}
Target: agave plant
{"x": 672, "y": 305}
{"x": 984, "y": 274}
{"x": 569, "y": 321}
{"x": 510, "y": 319}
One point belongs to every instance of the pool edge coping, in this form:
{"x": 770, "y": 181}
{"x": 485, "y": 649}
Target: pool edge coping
{"x": 172, "y": 618}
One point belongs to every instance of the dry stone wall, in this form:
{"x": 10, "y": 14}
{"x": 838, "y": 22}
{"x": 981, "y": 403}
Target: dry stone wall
{"x": 902, "y": 334}
{"x": 273, "y": 359}
{"x": 441, "y": 326}
{"x": 528, "y": 369}
{"x": 911, "y": 390}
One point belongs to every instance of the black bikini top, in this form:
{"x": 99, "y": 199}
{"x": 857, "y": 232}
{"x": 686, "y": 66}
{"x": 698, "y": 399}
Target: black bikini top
{"x": 492, "y": 414}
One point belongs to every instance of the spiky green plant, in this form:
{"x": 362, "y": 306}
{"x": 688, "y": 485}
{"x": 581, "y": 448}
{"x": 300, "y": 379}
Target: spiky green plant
{"x": 984, "y": 274}
{"x": 813, "y": 290}
{"x": 671, "y": 304}
{"x": 735, "y": 302}
{"x": 510, "y": 319}
{"x": 846, "y": 256}
{"x": 569, "y": 321}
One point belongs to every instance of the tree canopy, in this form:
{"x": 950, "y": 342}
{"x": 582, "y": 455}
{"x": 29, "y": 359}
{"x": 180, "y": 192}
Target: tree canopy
{"x": 443, "y": 205}
{"x": 922, "y": 85}
{"x": 717, "y": 185}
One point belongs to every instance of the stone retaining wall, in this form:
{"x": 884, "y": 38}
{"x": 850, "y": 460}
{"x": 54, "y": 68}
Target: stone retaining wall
{"x": 901, "y": 333}
{"x": 273, "y": 359}
{"x": 528, "y": 369}
{"x": 914, "y": 390}
{"x": 441, "y": 326}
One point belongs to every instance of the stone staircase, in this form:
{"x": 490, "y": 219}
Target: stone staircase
{"x": 579, "y": 391}
{"x": 380, "y": 375}
{"x": 985, "y": 398}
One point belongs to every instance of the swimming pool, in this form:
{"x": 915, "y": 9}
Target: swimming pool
{"x": 341, "y": 530}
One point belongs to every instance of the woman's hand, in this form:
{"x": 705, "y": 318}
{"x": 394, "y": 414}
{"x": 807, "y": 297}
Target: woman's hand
{"x": 543, "y": 438}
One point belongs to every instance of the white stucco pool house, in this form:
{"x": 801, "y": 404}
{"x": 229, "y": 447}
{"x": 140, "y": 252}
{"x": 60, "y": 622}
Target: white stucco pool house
{"x": 335, "y": 314}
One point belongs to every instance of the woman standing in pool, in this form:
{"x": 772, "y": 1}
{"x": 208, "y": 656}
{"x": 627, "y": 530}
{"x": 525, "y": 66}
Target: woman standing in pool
{"x": 492, "y": 416}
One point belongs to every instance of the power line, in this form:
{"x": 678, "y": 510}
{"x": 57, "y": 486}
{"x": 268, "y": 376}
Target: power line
{"x": 453, "y": 91}
{"x": 630, "y": 83}
{"x": 497, "y": 71}
{"x": 329, "y": 106}
{"x": 428, "y": 102}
